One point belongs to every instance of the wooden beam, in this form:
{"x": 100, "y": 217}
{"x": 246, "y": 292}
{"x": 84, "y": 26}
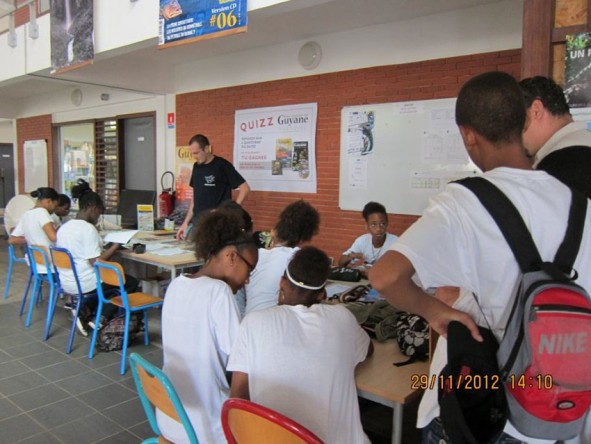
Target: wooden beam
{"x": 538, "y": 22}
{"x": 559, "y": 34}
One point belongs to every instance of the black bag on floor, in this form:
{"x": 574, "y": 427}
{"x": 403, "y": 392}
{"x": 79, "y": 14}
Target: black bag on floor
{"x": 110, "y": 336}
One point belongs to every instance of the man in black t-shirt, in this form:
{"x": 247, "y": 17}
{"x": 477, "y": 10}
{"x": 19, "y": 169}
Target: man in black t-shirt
{"x": 213, "y": 180}
{"x": 559, "y": 145}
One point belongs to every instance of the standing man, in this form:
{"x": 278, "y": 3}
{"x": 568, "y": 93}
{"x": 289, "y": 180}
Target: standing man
{"x": 212, "y": 180}
{"x": 559, "y": 145}
{"x": 457, "y": 243}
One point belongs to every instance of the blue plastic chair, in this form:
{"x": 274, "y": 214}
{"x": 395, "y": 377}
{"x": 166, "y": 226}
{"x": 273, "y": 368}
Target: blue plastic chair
{"x": 38, "y": 256}
{"x": 156, "y": 391}
{"x": 63, "y": 260}
{"x": 14, "y": 259}
{"x": 111, "y": 273}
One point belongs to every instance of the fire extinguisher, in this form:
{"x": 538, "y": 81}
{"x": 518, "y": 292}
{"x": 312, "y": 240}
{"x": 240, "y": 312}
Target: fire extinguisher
{"x": 167, "y": 196}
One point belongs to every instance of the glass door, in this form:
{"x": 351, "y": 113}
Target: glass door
{"x": 77, "y": 155}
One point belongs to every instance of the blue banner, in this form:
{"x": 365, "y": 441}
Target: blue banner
{"x": 184, "y": 21}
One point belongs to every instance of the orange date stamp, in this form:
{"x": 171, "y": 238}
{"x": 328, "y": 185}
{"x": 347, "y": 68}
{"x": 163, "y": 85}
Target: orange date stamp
{"x": 465, "y": 382}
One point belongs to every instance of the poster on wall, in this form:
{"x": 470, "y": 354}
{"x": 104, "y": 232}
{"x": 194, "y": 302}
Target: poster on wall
{"x": 184, "y": 167}
{"x": 577, "y": 78}
{"x": 275, "y": 148}
{"x": 72, "y": 34}
{"x": 35, "y": 157}
{"x": 186, "y": 21}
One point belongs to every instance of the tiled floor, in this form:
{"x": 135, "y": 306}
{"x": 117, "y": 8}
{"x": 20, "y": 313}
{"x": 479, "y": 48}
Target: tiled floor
{"x": 47, "y": 396}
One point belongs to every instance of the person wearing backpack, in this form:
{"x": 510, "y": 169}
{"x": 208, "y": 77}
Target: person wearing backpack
{"x": 457, "y": 243}
{"x": 200, "y": 321}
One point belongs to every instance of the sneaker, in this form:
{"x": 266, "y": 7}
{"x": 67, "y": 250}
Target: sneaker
{"x": 80, "y": 327}
{"x": 68, "y": 305}
{"x": 91, "y": 324}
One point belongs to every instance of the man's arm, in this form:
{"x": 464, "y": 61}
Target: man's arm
{"x": 180, "y": 235}
{"x": 392, "y": 275}
{"x": 239, "y": 387}
{"x": 17, "y": 240}
{"x": 243, "y": 191}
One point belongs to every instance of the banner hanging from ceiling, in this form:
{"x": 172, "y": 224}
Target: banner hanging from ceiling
{"x": 186, "y": 21}
{"x": 72, "y": 34}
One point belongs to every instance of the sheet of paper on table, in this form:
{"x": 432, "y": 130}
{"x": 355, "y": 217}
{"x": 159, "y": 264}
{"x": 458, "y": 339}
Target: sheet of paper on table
{"x": 168, "y": 251}
{"x": 332, "y": 289}
{"x": 120, "y": 237}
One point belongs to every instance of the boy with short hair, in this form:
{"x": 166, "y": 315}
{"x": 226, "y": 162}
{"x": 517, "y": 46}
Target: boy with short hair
{"x": 369, "y": 247}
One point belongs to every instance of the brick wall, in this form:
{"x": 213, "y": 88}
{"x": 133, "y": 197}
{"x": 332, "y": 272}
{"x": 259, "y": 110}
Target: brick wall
{"x": 212, "y": 113}
{"x": 33, "y": 128}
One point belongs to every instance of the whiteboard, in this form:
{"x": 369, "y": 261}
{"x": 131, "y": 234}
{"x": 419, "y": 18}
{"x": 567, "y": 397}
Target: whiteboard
{"x": 35, "y": 157}
{"x": 400, "y": 154}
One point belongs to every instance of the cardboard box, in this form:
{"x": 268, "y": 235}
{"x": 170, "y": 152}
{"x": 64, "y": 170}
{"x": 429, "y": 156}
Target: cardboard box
{"x": 156, "y": 285}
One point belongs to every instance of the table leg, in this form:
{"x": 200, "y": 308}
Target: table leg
{"x": 397, "y": 423}
{"x": 172, "y": 272}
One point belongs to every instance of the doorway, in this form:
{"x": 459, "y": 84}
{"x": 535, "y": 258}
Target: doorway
{"x": 6, "y": 173}
{"x": 139, "y": 134}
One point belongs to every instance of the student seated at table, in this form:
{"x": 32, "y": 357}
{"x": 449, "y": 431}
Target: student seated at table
{"x": 299, "y": 358}
{"x": 297, "y": 224}
{"x": 61, "y": 211}
{"x": 369, "y": 247}
{"x": 36, "y": 226}
{"x": 81, "y": 237}
{"x": 199, "y": 324}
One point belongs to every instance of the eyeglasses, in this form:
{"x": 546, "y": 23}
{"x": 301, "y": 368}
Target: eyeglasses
{"x": 378, "y": 224}
{"x": 248, "y": 264}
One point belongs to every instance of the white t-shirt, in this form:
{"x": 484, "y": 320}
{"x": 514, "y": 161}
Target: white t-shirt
{"x": 84, "y": 243}
{"x": 300, "y": 362}
{"x": 573, "y": 134}
{"x": 364, "y": 246}
{"x": 31, "y": 227}
{"x": 457, "y": 243}
{"x": 263, "y": 286}
{"x": 199, "y": 324}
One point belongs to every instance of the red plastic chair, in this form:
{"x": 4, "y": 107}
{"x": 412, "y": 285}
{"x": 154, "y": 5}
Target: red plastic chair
{"x": 246, "y": 422}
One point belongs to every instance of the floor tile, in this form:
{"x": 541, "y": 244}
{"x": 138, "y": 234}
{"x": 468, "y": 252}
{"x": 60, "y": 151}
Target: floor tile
{"x": 61, "y": 412}
{"x": 5, "y": 357}
{"x": 107, "y": 396}
{"x": 84, "y": 382}
{"x": 127, "y": 414}
{"x": 87, "y": 430}
{"x": 41, "y": 360}
{"x": 38, "y": 397}
{"x": 120, "y": 438}
{"x": 30, "y": 349}
{"x": 16, "y": 339}
{"x": 43, "y": 438}
{"x": 63, "y": 370}
{"x": 142, "y": 430}
{"x": 12, "y": 368}
{"x": 21, "y": 383}
{"x": 8, "y": 409}
{"x": 18, "y": 428}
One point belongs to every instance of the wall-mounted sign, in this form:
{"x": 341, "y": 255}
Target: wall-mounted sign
{"x": 186, "y": 21}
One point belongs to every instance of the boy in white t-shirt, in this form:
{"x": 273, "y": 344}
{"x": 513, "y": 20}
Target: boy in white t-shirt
{"x": 299, "y": 358}
{"x": 369, "y": 247}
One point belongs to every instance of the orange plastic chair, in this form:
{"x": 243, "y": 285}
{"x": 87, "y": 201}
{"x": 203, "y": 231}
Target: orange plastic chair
{"x": 245, "y": 422}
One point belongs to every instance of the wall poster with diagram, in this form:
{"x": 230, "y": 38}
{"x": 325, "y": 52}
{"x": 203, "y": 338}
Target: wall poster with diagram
{"x": 275, "y": 148}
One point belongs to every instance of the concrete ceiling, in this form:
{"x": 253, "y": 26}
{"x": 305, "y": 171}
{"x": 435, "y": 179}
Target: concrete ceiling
{"x": 290, "y": 21}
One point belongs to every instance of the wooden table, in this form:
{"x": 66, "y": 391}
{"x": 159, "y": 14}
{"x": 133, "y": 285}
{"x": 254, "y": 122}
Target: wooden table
{"x": 173, "y": 263}
{"x": 380, "y": 381}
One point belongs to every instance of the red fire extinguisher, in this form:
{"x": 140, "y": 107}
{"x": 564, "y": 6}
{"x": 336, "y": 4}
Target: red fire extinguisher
{"x": 167, "y": 196}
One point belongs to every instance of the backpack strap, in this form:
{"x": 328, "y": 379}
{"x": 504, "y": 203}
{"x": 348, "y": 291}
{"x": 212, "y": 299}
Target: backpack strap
{"x": 569, "y": 248}
{"x": 518, "y": 236}
{"x": 509, "y": 221}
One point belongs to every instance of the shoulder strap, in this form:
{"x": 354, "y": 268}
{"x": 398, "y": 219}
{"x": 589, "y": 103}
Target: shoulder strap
{"x": 517, "y": 234}
{"x": 509, "y": 221}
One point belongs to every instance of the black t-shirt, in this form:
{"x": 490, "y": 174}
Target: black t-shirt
{"x": 572, "y": 166}
{"x": 213, "y": 183}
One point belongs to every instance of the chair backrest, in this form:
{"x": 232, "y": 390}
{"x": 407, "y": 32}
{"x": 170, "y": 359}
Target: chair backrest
{"x": 246, "y": 422}
{"x": 156, "y": 391}
{"x": 63, "y": 259}
{"x": 12, "y": 254}
{"x": 110, "y": 273}
{"x": 39, "y": 256}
